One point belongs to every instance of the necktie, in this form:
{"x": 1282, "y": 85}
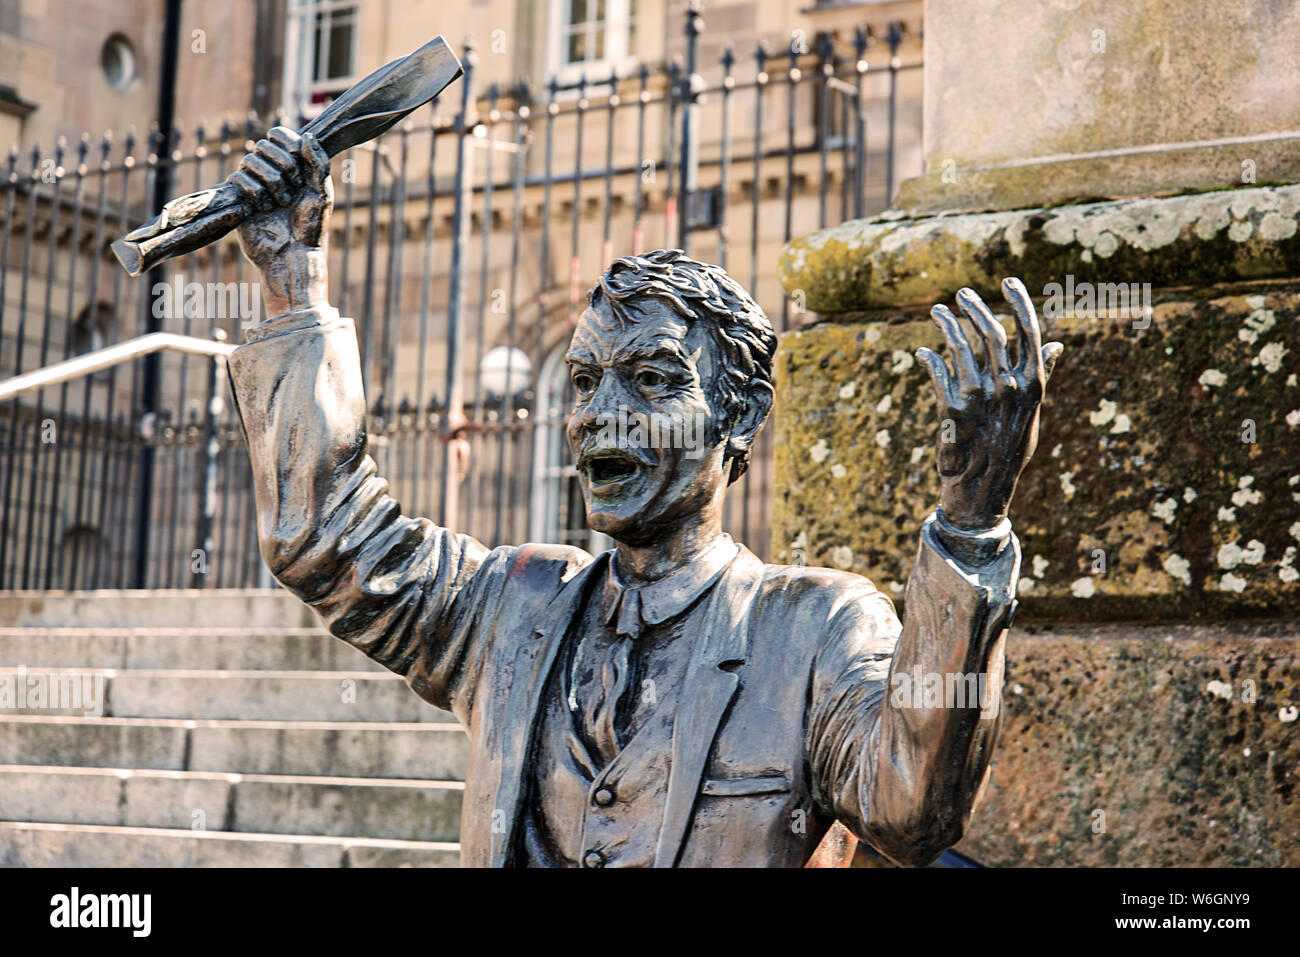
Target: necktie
{"x": 615, "y": 675}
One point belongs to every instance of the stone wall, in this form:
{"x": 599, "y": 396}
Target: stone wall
{"x": 1165, "y": 494}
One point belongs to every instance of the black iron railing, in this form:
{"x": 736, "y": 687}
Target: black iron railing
{"x": 462, "y": 243}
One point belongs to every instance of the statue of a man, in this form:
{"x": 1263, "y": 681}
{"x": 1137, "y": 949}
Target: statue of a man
{"x": 674, "y": 701}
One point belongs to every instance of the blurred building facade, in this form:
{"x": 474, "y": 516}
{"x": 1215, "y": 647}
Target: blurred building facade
{"x": 568, "y": 153}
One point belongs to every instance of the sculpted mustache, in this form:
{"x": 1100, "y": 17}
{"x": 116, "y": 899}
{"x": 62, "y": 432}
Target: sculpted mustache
{"x": 639, "y": 455}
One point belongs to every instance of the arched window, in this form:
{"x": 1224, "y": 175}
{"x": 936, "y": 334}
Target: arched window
{"x": 556, "y": 512}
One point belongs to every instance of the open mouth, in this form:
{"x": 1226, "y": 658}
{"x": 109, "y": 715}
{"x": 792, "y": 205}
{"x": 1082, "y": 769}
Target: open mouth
{"x": 609, "y": 466}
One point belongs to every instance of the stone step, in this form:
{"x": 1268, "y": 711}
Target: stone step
{"x": 174, "y": 608}
{"x": 260, "y": 649}
{"x": 26, "y": 844}
{"x": 219, "y": 695}
{"x": 210, "y": 800}
{"x": 433, "y": 751}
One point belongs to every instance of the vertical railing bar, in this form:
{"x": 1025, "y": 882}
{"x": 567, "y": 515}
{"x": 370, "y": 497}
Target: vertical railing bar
{"x": 575, "y": 259}
{"x": 36, "y": 485}
{"x": 792, "y": 82}
{"x": 543, "y": 281}
{"x": 760, "y": 85}
{"x": 860, "y": 131}
{"x": 516, "y": 220}
{"x": 480, "y": 333}
{"x": 895, "y": 37}
{"x": 671, "y": 202}
{"x": 144, "y": 424}
{"x": 724, "y": 171}
{"x": 426, "y": 281}
{"x": 606, "y": 243}
{"x": 393, "y": 301}
{"x": 691, "y": 84}
{"x": 11, "y": 196}
{"x": 575, "y": 248}
{"x": 349, "y": 188}
{"x": 368, "y": 289}
{"x": 105, "y": 511}
{"x": 173, "y": 577}
{"x": 453, "y": 412}
{"x": 96, "y": 247}
{"x": 824, "y": 125}
{"x": 78, "y": 199}
{"x": 643, "y": 100}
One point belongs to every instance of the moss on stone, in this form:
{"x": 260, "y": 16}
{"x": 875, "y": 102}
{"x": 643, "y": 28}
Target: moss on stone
{"x": 1147, "y": 497}
{"x": 1208, "y": 237}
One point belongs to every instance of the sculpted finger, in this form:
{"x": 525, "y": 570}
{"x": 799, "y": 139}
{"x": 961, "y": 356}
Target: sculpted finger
{"x": 1051, "y": 352}
{"x": 283, "y": 160}
{"x": 317, "y": 161}
{"x": 285, "y": 137}
{"x": 990, "y": 330}
{"x": 939, "y": 377}
{"x": 1031, "y": 337}
{"x": 963, "y": 360}
{"x": 252, "y": 187}
{"x": 268, "y": 176}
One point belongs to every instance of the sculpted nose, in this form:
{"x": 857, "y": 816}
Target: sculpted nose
{"x": 604, "y": 403}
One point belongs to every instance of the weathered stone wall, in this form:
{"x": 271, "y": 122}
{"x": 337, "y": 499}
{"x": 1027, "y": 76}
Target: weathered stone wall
{"x": 1165, "y": 489}
{"x": 1097, "y": 98}
{"x": 1153, "y": 746}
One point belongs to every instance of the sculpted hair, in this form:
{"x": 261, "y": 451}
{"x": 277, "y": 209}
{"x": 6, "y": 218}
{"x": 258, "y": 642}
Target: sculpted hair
{"x": 701, "y": 292}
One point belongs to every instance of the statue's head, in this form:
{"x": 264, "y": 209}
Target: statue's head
{"x": 671, "y": 365}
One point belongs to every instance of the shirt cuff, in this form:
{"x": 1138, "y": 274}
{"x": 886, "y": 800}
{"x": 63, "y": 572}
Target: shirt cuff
{"x": 972, "y": 547}
{"x": 321, "y": 315}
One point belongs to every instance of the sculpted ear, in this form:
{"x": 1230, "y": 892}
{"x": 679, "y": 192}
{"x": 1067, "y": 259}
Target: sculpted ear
{"x": 741, "y": 437}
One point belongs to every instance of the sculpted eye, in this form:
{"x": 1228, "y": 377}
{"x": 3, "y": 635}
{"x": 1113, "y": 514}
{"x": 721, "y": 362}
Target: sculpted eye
{"x": 584, "y": 382}
{"x": 649, "y": 379}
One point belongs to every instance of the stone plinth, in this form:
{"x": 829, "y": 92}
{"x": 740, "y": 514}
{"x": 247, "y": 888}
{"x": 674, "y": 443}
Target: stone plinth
{"x": 1166, "y": 482}
{"x": 1151, "y": 746}
{"x": 1159, "y": 519}
{"x": 1029, "y": 102}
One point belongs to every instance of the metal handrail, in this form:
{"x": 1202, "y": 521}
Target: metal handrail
{"x": 110, "y": 356}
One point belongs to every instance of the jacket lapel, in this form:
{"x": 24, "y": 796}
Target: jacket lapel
{"x": 527, "y": 687}
{"x": 712, "y": 680}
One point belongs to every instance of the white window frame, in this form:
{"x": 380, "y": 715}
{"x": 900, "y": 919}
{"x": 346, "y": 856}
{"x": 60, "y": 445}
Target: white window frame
{"x": 616, "y": 51}
{"x": 298, "y": 15}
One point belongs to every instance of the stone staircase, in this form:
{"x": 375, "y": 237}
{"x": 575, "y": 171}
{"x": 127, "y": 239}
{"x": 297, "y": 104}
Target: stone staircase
{"x": 234, "y": 732}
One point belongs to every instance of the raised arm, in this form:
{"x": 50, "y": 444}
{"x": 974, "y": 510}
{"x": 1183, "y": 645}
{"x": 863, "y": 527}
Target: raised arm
{"x": 403, "y": 590}
{"x": 900, "y": 756}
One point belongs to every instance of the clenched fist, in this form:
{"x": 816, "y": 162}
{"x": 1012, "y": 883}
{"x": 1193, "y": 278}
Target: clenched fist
{"x": 286, "y": 177}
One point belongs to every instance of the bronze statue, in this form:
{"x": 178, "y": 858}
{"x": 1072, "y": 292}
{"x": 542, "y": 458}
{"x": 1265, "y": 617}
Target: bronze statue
{"x": 674, "y": 701}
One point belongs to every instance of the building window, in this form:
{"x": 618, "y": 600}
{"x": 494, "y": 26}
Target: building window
{"x": 117, "y": 59}
{"x": 590, "y": 37}
{"x": 320, "y": 53}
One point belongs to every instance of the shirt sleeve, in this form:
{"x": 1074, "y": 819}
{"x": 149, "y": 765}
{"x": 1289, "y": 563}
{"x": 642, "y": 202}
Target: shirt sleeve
{"x": 403, "y": 590}
{"x": 904, "y": 716}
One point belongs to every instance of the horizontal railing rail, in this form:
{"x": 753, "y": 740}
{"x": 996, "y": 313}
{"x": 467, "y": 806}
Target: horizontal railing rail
{"x": 109, "y": 356}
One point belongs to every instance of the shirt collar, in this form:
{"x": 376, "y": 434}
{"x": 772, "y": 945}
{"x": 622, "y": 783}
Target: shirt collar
{"x": 658, "y": 601}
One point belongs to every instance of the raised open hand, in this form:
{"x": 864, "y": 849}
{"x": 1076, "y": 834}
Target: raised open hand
{"x": 990, "y": 415}
{"x": 286, "y": 177}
